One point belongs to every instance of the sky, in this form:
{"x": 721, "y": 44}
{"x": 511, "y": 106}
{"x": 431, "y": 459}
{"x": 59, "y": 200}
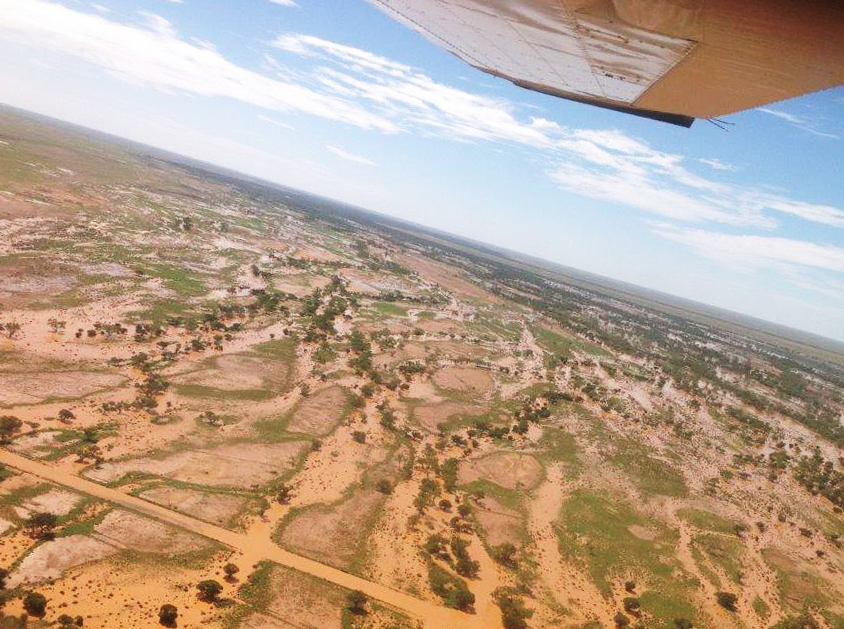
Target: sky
{"x": 333, "y": 97}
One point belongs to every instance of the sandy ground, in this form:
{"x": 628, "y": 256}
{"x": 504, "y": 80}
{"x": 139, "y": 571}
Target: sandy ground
{"x": 563, "y": 582}
{"x": 119, "y": 571}
{"x": 225, "y": 466}
{"x": 465, "y": 379}
{"x": 214, "y": 508}
{"x": 508, "y": 469}
{"x": 319, "y": 413}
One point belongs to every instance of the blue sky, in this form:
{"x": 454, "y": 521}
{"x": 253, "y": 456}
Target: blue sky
{"x": 333, "y": 97}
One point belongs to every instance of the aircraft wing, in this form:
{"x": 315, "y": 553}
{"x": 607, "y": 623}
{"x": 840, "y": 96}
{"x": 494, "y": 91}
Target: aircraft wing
{"x": 671, "y": 60}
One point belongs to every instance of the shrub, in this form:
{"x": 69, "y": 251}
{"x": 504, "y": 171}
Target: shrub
{"x": 514, "y": 614}
{"x": 621, "y": 621}
{"x": 168, "y": 614}
{"x": 230, "y": 569}
{"x": 284, "y": 494}
{"x": 505, "y": 554}
{"x": 464, "y": 564}
{"x": 209, "y": 590}
{"x": 359, "y": 436}
{"x": 451, "y": 589}
{"x": 355, "y": 601}
{"x": 435, "y": 545}
{"x": 727, "y": 600}
{"x": 384, "y": 486}
{"x": 40, "y": 525}
{"x": 9, "y": 425}
{"x": 35, "y": 604}
{"x": 632, "y": 605}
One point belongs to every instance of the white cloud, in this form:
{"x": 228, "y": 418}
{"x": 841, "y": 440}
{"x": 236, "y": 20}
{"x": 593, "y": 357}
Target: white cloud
{"x": 350, "y": 157}
{"x": 800, "y": 122}
{"x": 611, "y": 166}
{"x": 286, "y": 3}
{"x": 717, "y": 164}
{"x": 364, "y": 89}
{"x": 156, "y": 56}
{"x": 273, "y": 121}
{"x": 411, "y": 98}
{"x": 751, "y": 251}
{"x": 782, "y": 114}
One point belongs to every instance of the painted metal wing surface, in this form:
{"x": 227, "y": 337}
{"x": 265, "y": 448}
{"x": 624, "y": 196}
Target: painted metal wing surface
{"x": 672, "y": 60}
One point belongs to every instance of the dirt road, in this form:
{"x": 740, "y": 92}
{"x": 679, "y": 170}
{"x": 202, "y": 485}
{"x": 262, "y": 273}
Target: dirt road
{"x": 433, "y": 616}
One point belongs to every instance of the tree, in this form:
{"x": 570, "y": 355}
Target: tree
{"x": 56, "y": 325}
{"x": 168, "y": 614}
{"x": 9, "y": 425}
{"x": 359, "y": 436}
{"x": 40, "y": 524}
{"x": 727, "y": 600}
{"x": 65, "y": 620}
{"x": 209, "y": 590}
{"x": 66, "y": 415}
{"x": 11, "y": 328}
{"x": 90, "y": 435}
{"x": 3, "y": 575}
{"x": 630, "y": 586}
{"x": 621, "y": 621}
{"x": 632, "y": 605}
{"x": 35, "y": 604}
{"x": 355, "y": 601}
{"x": 683, "y": 623}
{"x": 514, "y": 614}
{"x": 230, "y": 569}
{"x": 284, "y": 494}
{"x": 505, "y": 554}
{"x": 464, "y": 564}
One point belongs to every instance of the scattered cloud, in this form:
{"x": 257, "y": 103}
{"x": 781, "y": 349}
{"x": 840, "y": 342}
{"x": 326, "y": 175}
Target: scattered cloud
{"x": 782, "y": 114}
{"x": 808, "y": 266}
{"x": 717, "y": 164}
{"x": 286, "y": 3}
{"x": 154, "y": 55}
{"x": 751, "y": 251}
{"x": 173, "y": 1}
{"x": 806, "y": 124}
{"x": 273, "y": 121}
{"x": 610, "y": 166}
{"x": 602, "y": 164}
{"x": 360, "y": 88}
{"x": 350, "y": 157}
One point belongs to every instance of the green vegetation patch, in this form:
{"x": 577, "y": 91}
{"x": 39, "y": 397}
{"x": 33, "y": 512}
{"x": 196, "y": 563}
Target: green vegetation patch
{"x": 184, "y": 282}
{"x": 563, "y": 345}
{"x": 799, "y": 586}
{"x": 708, "y": 521}
{"x": 612, "y": 541}
{"x": 725, "y": 552}
{"x": 651, "y": 475}
{"x": 389, "y": 309}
